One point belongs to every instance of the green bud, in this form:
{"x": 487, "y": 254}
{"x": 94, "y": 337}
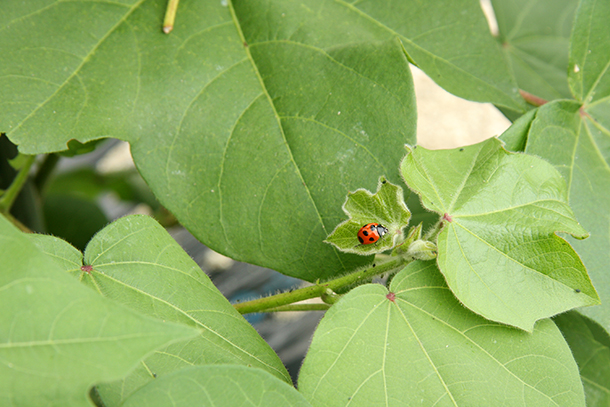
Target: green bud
{"x": 422, "y": 250}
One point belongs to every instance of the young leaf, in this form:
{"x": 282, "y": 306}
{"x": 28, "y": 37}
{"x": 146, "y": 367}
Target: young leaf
{"x": 590, "y": 345}
{"x": 497, "y": 249}
{"x": 57, "y": 338}
{"x": 386, "y": 207}
{"x": 416, "y": 345}
{"x": 217, "y": 386}
{"x": 136, "y": 262}
{"x": 575, "y": 141}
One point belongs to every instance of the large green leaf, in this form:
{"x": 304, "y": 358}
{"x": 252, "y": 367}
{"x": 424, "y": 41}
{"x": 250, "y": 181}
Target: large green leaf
{"x": 417, "y": 345}
{"x": 217, "y": 386}
{"x": 448, "y": 39}
{"x": 136, "y": 262}
{"x": 57, "y": 338}
{"x": 577, "y": 145}
{"x": 497, "y": 249}
{"x": 590, "y": 345}
{"x": 535, "y": 37}
{"x": 224, "y": 121}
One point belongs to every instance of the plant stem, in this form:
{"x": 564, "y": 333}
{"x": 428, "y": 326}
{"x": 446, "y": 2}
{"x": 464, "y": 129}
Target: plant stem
{"x": 9, "y": 196}
{"x": 318, "y": 289}
{"x": 170, "y": 16}
{"x": 433, "y": 233}
{"x": 299, "y": 307}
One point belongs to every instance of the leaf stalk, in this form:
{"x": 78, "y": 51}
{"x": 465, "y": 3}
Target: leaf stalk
{"x": 8, "y": 197}
{"x": 266, "y": 304}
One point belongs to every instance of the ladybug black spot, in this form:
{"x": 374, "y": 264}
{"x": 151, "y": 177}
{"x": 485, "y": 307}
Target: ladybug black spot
{"x": 371, "y": 239}
{"x": 360, "y": 240}
{"x": 365, "y": 233}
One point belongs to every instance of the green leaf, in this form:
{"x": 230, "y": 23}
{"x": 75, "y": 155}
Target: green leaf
{"x": 227, "y": 133}
{"x": 73, "y": 218}
{"x": 57, "y": 338}
{"x": 590, "y": 345}
{"x": 589, "y": 73}
{"x": 417, "y": 345}
{"x": 515, "y": 137}
{"x": 449, "y": 40}
{"x": 386, "y": 207}
{"x": 217, "y": 386}
{"x": 535, "y": 38}
{"x": 497, "y": 249}
{"x": 134, "y": 261}
{"x": 67, "y": 257}
{"x": 576, "y": 142}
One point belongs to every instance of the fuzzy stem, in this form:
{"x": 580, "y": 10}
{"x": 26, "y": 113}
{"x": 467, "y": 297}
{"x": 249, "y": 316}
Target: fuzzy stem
{"x": 299, "y": 307}
{"x": 432, "y": 234}
{"x": 318, "y": 289}
{"x": 9, "y": 196}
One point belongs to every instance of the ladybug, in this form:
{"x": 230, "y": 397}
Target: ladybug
{"x": 371, "y": 233}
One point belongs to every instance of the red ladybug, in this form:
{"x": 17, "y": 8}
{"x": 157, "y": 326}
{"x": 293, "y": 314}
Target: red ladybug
{"x": 371, "y": 233}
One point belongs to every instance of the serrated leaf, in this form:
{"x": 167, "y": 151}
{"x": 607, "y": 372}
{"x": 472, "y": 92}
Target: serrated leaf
{"x": 590, "y": 345}
{"x": 416, "y": 345}
{"x": 134, "y": 261}
{"x": 386, "y": 207}
{"x": 498, "y": 249}
{"x": 576, "y": 142}
{"x": 535, "y": 38}
{"x": 217, "y": 386}
{"x": 57, "y": 338}
{"x": 588, "y": 72}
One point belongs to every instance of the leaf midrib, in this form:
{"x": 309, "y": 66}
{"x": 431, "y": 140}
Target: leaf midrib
{"x": 494, "y": 248}
{"x": 466, "y": 337}
{"x": 196, "y": 321}
{"x": 281, "y": 128}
